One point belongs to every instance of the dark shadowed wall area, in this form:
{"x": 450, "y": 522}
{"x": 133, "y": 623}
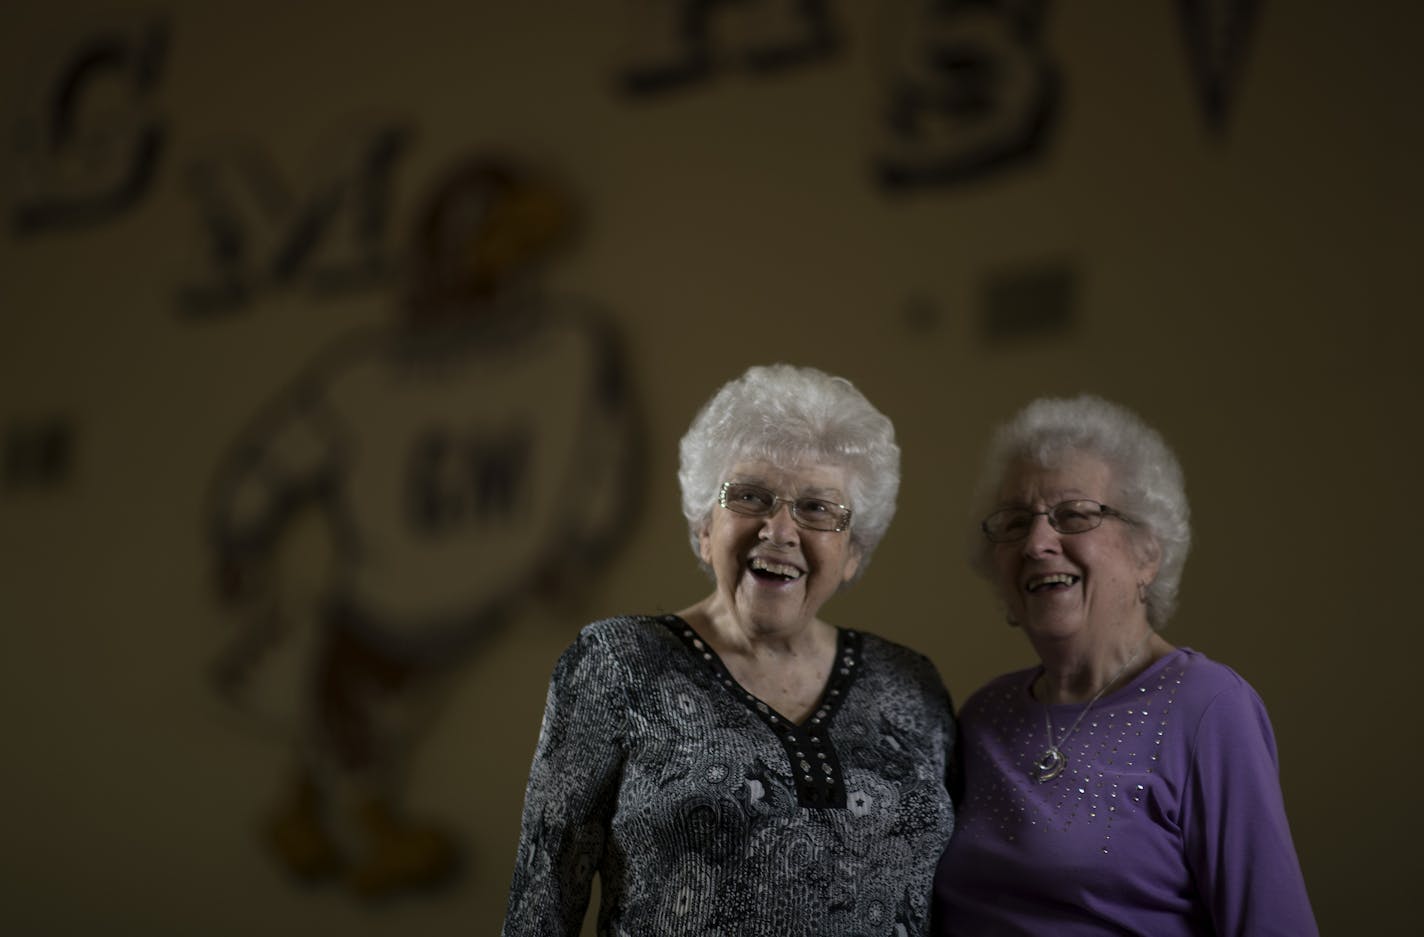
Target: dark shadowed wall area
{"x": 345, "y": 348}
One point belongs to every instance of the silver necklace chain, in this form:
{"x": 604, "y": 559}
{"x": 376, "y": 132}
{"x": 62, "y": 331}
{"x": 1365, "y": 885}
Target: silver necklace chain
{"x": 1052, "y": 761}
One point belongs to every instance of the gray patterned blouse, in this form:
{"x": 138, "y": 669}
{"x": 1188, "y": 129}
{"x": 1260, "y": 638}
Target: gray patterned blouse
{"x": 705, "y": 812}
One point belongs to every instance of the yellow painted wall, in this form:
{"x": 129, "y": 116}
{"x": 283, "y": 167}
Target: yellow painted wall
{"x": 1254, "y": 294}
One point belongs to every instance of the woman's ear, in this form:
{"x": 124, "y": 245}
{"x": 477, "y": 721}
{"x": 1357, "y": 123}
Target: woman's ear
{"x": 852, "y": 564}
{"x": 704, "y": 542}
{"x": 1149, "y": 559}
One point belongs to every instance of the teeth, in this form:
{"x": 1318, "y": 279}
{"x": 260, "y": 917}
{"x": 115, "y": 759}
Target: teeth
{"x": 779, "y": 569}
{"x": 1057, "y": 579}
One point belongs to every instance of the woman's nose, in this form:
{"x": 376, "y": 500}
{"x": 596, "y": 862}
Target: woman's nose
{"x": 779, "y": 526}
{"x": 1042, "y": 538}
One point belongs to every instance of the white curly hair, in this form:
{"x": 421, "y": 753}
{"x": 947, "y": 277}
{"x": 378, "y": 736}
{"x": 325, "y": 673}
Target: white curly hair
{"x": 789, "y": 415}
{"x": 1145, "y": 472}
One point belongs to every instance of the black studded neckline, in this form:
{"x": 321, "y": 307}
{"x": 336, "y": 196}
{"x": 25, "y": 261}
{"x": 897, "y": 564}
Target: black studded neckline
{"x": 812, "y": 758}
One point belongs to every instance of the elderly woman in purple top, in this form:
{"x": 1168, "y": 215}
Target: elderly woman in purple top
{"x": 1123, "y": 785}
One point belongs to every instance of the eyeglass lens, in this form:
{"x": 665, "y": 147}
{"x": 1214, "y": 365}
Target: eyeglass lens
{"x": 1066, "y": 517}
{"x": 756, "y": 501}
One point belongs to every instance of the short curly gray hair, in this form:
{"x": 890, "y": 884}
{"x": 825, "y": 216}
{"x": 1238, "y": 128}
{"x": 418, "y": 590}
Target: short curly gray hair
{"x": 790, "y": 416}
{"x": 1148, "y": 477}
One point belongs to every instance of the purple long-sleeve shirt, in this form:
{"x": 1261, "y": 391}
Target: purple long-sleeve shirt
{"x": 1168, "y": 819}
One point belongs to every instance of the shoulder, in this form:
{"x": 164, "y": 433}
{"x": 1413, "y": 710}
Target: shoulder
{"x": 635, "y": 634}
{"x": 1226, "y": 734}
{"x": 1206, "y": 683}
{"x": 1220, "y": 707}
{"x": 873, "y": 645}
{"x": 617, "y": 641}
{"x": 894, "y": 668}
{"x": 1000, "y": 691}
{"x": 1013, "y": 680}
{"x": 892, "y": 660}
{"x": 625, "y": 629}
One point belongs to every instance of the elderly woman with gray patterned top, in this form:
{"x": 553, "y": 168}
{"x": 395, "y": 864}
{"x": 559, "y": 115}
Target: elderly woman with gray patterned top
{"x": 1122, "y": 785}
{"x": 743, "y": 767}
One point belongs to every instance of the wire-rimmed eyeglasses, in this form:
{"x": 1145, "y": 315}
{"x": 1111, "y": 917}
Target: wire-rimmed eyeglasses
{"x": 756, "y": 501}
{"x": 1067, "y": 517}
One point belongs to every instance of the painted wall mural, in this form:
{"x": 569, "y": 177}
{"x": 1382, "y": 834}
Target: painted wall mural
{"x": 474, "y": 454}
{"x": 1217, "y": 37}
{"x": 478, "y": 450}
{"x": 328, "y": 232}
{"x": 969, "y": 87}
{"x": 92, "y": 145}
{"x": 675, "y": 44}
{"x": 972, "y": 89}
{"x": 38, "y": 453}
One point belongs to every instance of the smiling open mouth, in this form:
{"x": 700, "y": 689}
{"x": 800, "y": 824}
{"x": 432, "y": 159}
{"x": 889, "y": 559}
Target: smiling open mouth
{"x": 771, "y": 570}
{"x": 1053, "y": 582}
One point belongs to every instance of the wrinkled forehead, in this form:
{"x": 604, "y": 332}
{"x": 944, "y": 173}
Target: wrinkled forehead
{"x": 813, "y": 478}
{"x": 1059, "y": 476}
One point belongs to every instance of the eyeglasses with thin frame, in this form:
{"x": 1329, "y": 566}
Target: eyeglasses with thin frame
{"x": 1067, "y": 517}
{"x": 756, "y": 501}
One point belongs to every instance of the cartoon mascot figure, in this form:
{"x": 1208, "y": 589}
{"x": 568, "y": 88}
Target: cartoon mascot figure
{"x": 473, "y": 455}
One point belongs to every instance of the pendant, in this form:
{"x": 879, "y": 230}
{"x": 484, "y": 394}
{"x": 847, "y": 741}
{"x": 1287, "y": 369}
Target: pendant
{"x": 1049, "y": 765}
